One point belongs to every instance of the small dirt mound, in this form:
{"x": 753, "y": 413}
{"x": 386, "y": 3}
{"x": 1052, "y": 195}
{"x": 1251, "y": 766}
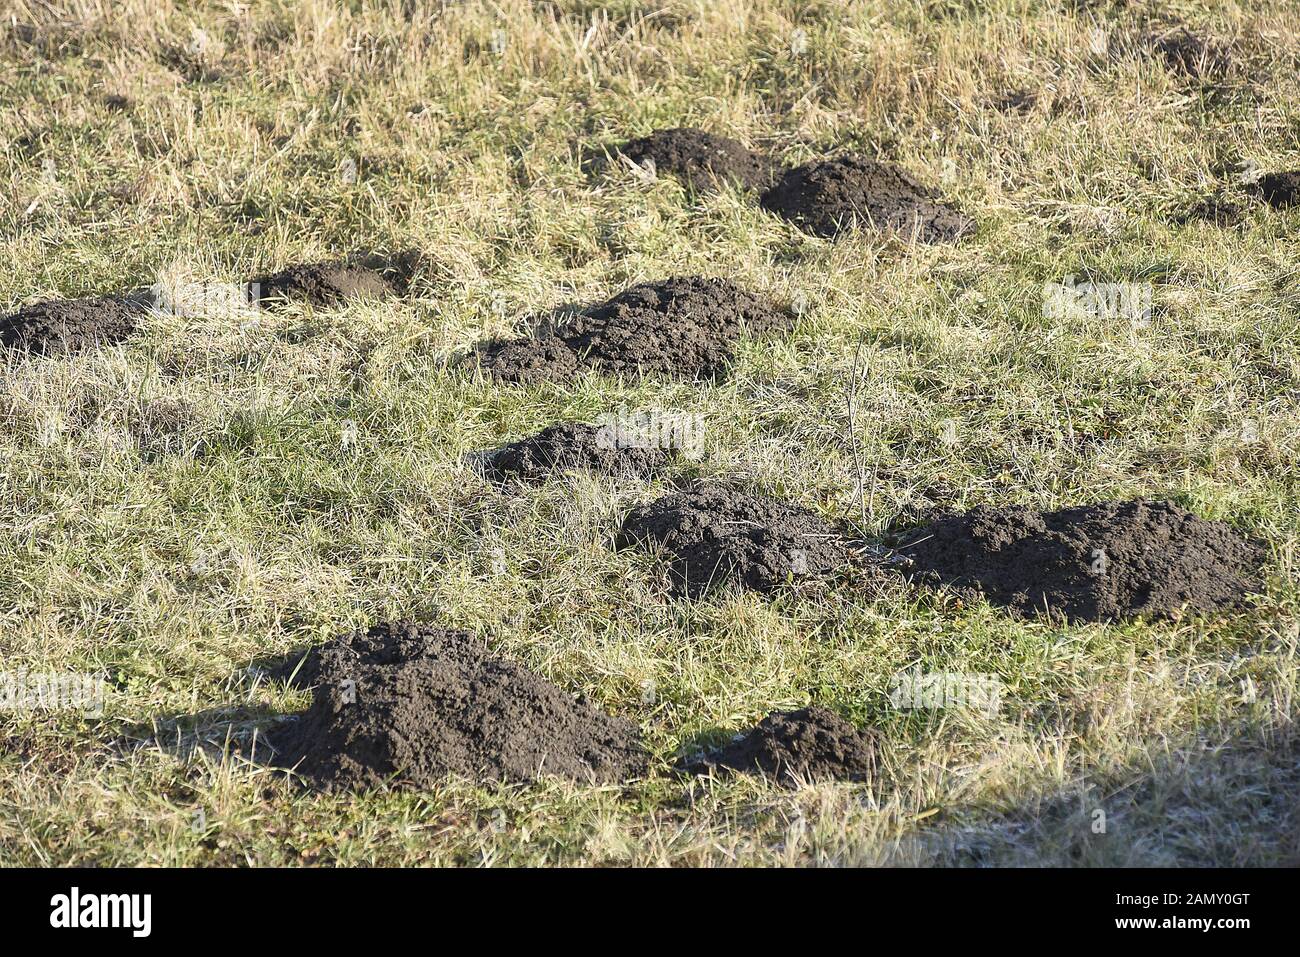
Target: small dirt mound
{"x": 811, "y": 744}
{"x": 700, "y": 160}
{"x": 60, "y": 326}
{"x": 1215, "y": 209}
{"x": 685, "y": 326}
{"x": 321, "y": 284}
{"x": 1279, "y": 190}
{"x": 1186, "y": 53}
{"x": 1016, "y": 101}
{"x": 1091, "y": 563}
{"x": 568, "y": 447}
{"x": 409, "y": 704}
{"x": 385, "y": 644}
{"x": 827, "y": 197}
{"x": 718, "y": 535}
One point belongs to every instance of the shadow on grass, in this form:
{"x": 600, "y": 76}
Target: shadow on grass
{"x": 1227, "y": 805}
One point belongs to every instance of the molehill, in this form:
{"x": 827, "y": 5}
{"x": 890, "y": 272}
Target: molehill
{"x": 827, "y": 197}
{"x": 700, "y": 159}
{"x": 1100, "y": 562}
{"x": 684, "y": 327}
{"x": 717, "y": 535}
{"x": 406, "y": 705}
{"x": 811, "y": 744}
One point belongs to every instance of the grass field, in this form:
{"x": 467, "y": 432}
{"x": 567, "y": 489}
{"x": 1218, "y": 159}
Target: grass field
{"x": 232, "y": 484}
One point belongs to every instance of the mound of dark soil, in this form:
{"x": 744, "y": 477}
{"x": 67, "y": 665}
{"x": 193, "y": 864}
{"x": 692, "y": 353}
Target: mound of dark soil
{"x": 386, "y": 644}
{"x": 700, "y": 160}
{"x": 367, "y": 277}
{"x": 827, "y": 197}
{"x": 718, "y": 535}
{"x": 1280, "y": 190}
{"x": 62, "y": 326}
{"x": 685, "y": 326}
{"x": 1215, "y": 208}
{"x": 1091, "y": 563}
{"x": 321, "y": 284}
{"x": 409, "y": 704}
{"x": 1186, "y": 53}
{"x": 792, "y": 746}
{"x": 1016, "y": 101}
{"x": 572, "y": 446}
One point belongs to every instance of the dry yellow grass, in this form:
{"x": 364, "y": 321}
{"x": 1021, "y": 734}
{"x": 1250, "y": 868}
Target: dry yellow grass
{"x": 173, "y": 508}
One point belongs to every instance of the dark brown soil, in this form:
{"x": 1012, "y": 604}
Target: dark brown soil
{"x": 1017, "y": 101}
{"x": 1091, "y": 563}
{"x": 717, "y": 535}
{"x": 684, "y": 327}
{"x": 827, "y": 197}
{"x": 701, "y": 160}
{"x": 571, "y": 446}
{"x": 407, "y": 705}
{"x": 1215, "y": 208}
{"x": 62, "y": 326}
{"x": 321, "y": 284}
{"x": 1186, "y": 53}
{"x": 1280, "y": 190}
{"x": 811, "y": 744}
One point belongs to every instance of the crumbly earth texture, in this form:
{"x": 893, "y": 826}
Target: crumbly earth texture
{"x": 62, "y": 326}
{"x": 574, "y": 446}
{"x": 811, "y": 744}
{"x": 1280, "y": 190}
{"x": 828, "y": 197}
{"x": 1186, "y": 53}
{"x": 407, "y": 704}
{"x": 1101, "y": 562}
{"x": 683, "y": 327}
{"x": 214, "y": 492}
{"x": 322, "y": 284}
{"x": 700, "y": 159}
{"x": 1216, "y": 209}
{"x": 716, "y": 535}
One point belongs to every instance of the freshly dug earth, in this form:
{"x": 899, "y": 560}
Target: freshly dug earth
{"x": 1091, "y": 563}
{"x": 322, "y": 284}
{"x": 718, "y": 535}
{"x": 700, "y": 160}
{"x": 572, "y": 446}
{"x": 685, "y": 326}
{"x": 793, "y": 746}
{"x": 1184, "y": 52}
{"x": 827, "y": 197}
{"x": 408, "y": 704}
{"x": 1215, "y": 208}
{"x": 386, "y": 644}
{"x": 1280, "y": 190}
{"x": 62, "y": 326}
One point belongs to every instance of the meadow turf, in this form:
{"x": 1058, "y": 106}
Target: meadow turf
{"x": 232, "y": 484}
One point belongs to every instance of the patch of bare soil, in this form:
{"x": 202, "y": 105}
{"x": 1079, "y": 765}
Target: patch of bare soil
{"x": 1101, "y": 562}
{"x": 828, "y": 197}
{"x": 715, "y": 535}
{"x": 60, "y": 326}
{"x": 570, "y": 447}
{"x": 700, "y": 159}
{"x": 683, "y": 327}
{"x": 406, "y": 705}
{"x": 811, "y": 744}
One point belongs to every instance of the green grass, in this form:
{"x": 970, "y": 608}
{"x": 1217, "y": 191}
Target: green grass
{"x": 174, "y": 508}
